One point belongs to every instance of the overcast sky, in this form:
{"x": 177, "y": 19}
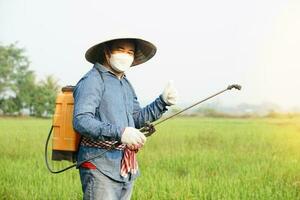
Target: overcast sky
{"x": 202, "y": 45}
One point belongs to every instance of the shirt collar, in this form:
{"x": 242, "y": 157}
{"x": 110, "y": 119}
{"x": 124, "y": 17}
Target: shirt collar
{"x": 101, "y": 68}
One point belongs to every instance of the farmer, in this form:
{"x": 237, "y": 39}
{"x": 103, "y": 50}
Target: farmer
{"x": 107, "y": 111}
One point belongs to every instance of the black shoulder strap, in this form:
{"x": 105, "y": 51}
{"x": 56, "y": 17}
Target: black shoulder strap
{"x": 101, "y": 75}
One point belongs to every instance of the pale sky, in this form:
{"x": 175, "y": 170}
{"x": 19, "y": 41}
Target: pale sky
{"x": 202, "y": 45}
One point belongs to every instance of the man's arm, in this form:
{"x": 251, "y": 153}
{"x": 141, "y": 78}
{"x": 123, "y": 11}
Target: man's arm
{"x": 149, "y": 113}
{"x": 87, "y": 96}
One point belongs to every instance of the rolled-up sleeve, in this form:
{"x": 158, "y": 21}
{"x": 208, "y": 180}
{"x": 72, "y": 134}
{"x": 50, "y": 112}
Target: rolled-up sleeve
{"x": 149, "y": 113}
{"x": 87, "y": 96}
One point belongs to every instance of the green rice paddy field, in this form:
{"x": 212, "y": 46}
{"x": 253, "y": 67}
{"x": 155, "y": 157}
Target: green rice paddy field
{"x": 187, "y": 158}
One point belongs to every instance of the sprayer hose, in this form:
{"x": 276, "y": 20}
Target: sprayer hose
{"x": 74, "y": 165}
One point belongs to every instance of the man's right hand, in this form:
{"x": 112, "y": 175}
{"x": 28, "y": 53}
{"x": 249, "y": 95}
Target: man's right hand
{"x": 132, "y": 136}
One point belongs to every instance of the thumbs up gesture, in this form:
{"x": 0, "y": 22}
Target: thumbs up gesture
{"x": 170, "y": 94}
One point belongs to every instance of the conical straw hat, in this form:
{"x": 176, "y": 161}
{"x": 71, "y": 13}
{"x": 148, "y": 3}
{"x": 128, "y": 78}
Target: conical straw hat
{"x": 144, "y": 50}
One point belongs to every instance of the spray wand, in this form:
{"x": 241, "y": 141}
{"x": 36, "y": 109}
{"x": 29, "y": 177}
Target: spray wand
{"x": 149, "y": 129}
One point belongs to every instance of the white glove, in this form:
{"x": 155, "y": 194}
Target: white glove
{"x": 170, "y": 94}
{"x": 132, "y": 136}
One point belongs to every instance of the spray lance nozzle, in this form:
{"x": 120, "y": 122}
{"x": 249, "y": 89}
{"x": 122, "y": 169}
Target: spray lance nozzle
{"x": 149, "y": 129}
{"x": 235, "y": 86}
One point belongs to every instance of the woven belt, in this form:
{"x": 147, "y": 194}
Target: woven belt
{"x": 128, "y": 163}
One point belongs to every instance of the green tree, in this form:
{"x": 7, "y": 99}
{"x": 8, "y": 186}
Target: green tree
{"x": 13, "y": 74}
{"x": 18, "y": 87}
{"x": 44, "y": 97}
{"x": 24, "y": 87}
{"x": 10, "y": 105}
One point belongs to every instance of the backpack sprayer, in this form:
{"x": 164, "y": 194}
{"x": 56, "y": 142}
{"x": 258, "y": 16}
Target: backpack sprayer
{"x": 65, "y": 141}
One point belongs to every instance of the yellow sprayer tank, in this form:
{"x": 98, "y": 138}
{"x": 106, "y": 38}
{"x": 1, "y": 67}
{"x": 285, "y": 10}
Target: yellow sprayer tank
{"x": 65, "y": 140}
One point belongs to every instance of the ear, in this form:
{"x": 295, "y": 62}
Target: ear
{"x": 107, "y": 53}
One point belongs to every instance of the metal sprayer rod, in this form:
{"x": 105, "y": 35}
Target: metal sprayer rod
{"x": 238, "y": 87}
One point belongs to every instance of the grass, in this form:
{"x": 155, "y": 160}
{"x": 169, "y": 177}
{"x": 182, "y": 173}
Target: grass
{"x": 187, "y": 158}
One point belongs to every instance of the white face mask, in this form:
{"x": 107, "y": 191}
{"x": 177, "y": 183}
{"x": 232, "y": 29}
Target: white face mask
{"x": 121, "y": 61}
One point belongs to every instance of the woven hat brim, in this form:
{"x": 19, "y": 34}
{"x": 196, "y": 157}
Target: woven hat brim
{"x": 144, "y": 51}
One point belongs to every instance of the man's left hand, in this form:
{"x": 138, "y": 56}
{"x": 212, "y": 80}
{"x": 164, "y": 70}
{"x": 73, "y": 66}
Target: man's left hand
{"x": 170, "y": 94}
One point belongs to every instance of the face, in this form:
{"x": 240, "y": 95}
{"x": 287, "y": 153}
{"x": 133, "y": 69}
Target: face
{"x": 119, "y": 46}
{"x": 126, "y": 47}
{"x": 123, "y": 46}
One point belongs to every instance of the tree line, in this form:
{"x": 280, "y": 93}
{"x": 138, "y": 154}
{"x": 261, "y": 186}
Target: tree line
{"x": 20, "y": 92}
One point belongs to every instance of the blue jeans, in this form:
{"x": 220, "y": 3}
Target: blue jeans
{"x": 97, "y": 186}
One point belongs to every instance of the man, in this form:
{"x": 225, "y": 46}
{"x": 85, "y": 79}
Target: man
{"x": 106, "y": 112}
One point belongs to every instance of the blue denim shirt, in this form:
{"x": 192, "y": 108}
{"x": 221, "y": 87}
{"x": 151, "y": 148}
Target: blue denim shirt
{"x": 103, "y": 106}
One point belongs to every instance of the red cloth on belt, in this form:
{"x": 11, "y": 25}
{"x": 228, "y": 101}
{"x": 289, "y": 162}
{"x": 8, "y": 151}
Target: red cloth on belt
{"x": 129, "y": 162}
{"x": 88, "y": 165}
